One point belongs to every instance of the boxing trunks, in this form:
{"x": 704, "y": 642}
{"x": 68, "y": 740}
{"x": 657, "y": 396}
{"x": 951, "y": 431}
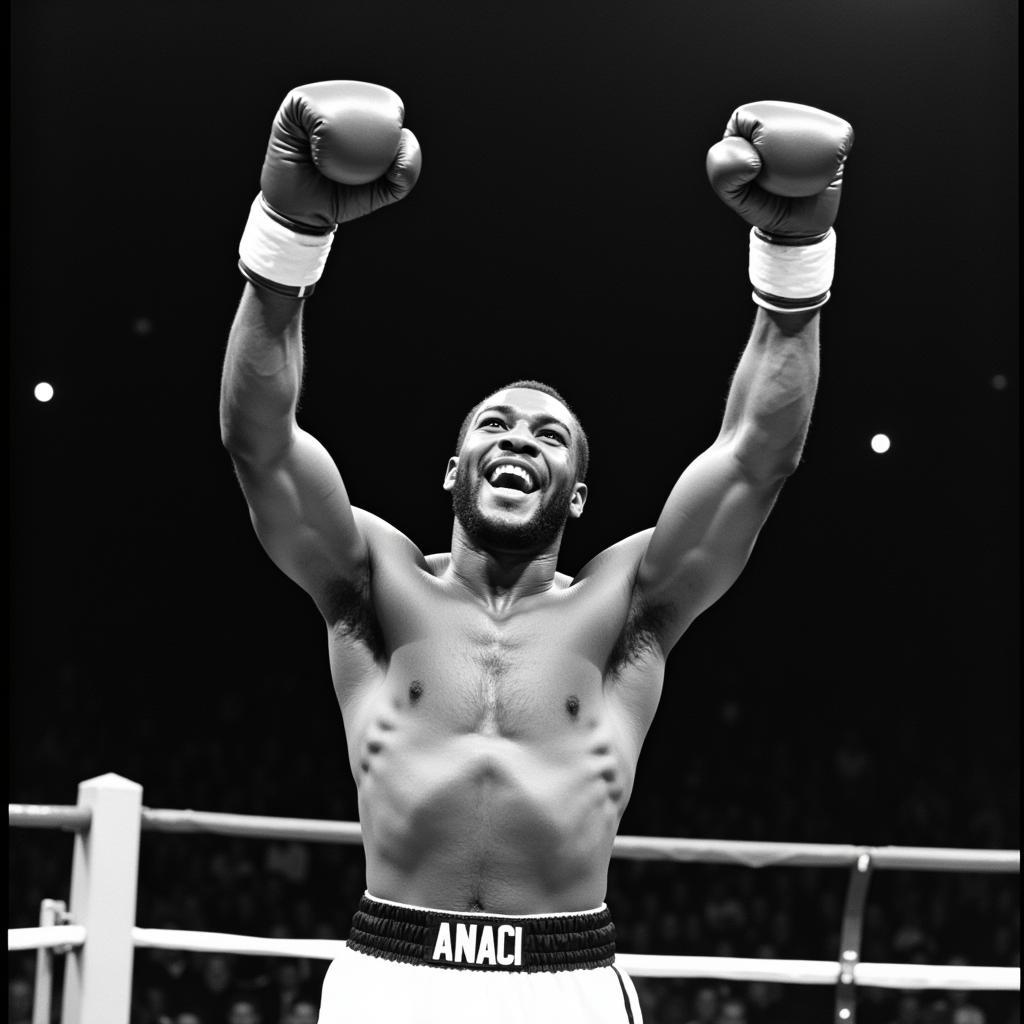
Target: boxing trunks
{"x": 413, "y": 965}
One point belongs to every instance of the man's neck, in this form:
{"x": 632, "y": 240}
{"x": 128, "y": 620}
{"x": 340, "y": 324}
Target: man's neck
{"x": 500, "y": 578}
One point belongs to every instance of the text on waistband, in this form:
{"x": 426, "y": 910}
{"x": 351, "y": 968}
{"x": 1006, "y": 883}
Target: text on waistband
{"x": 480, "y": 945}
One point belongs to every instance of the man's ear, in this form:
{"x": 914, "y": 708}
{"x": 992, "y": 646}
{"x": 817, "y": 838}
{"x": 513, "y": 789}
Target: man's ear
{"x": 450, "y": 473}
{"x": 577, "y": 501}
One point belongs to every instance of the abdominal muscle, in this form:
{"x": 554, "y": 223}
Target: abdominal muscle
{"x": 478, "y": 819}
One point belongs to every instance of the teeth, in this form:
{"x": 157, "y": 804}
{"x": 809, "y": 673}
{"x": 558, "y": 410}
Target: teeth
{"x": 517, "y": 470}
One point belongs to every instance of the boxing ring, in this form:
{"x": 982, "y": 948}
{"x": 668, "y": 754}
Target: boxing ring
{"x": 99, "y": 936}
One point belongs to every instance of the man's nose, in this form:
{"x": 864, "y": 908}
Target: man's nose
{"x": 518, "y": 439}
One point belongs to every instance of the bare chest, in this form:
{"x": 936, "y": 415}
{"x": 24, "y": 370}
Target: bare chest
{"x": 528, "y": 675}
{"x": 444, "y": 663}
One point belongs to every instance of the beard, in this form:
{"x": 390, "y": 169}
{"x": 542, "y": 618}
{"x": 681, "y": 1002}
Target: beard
{"x": 534, "y": 534}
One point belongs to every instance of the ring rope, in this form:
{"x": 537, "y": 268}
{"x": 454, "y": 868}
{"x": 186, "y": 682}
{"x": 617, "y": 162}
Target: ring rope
{"x": 709, "y": 851}
{"x": 313, "y": 830}
{"x": 74, "y": 818}
{"x": 55, "y": 936}
{"x": 799, "y": 972}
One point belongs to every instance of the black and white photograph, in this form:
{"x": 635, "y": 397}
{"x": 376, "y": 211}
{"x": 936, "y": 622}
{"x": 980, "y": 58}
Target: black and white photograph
{"x": 515, "y": 513}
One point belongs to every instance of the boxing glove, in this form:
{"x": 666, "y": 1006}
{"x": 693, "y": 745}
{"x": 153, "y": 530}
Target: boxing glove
{"x": 780, "y": 167}
{"x": 337, "y": 151}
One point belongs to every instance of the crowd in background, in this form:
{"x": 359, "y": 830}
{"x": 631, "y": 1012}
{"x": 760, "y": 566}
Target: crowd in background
{"x": 737, "y": 777}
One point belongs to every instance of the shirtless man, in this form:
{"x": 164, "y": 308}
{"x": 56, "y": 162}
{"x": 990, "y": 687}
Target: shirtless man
{"x": 494, "y": 707}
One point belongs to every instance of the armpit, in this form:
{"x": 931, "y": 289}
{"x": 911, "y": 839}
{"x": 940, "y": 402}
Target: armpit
{"x": 350, "y": 610}
{"x": 640, "y": 634}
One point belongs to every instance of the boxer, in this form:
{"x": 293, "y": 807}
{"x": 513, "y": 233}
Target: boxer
{"x": 494, "y": 708}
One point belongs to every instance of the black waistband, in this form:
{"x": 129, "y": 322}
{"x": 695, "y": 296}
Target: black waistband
{"x": 568, "y": 942}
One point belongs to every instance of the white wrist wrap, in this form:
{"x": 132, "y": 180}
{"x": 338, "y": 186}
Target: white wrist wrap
{"x": 276, "y": 257}
{"x": 791, "y": 278}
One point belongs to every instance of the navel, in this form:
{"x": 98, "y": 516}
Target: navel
{"x": 415, "y": 691}
{"x": 572, "y": 705}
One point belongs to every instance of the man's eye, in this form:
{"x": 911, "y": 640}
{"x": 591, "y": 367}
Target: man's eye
{"x": 553, "y": 435}
{"x": 492, "y": 421}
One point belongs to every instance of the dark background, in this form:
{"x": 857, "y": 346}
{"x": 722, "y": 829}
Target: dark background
{"x": 563, "y": 228}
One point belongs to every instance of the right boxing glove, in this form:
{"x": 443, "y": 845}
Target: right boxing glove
{"x": 337, "y": 151}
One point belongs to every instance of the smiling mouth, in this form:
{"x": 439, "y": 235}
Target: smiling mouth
{"x": 511, "y": 478}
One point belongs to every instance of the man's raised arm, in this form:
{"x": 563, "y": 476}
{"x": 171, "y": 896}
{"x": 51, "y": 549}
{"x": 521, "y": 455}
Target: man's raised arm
{"x": 337, "y": 151}
{"x": 780, "y": 166}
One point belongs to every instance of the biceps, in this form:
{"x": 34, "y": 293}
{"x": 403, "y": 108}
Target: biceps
{"x": 705, "y": 533}
{"x": 301, "y": 512}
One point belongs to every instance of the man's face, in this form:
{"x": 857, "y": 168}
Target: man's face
{"x": 514, "y": 482}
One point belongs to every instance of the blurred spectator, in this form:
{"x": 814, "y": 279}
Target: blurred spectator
{"x": 150, "y": 1005}
{"x": 286, "y": 988}
{"x": 733, "y": 1011}
{"x": 968, "y": 1015}
{"x": 290, "y": 860}
{"x": 936, "y": 1011}
{"x": 705, "y": 1006}
{"x": 908, "y": 1010}
{"x": 910, "y": 937}
{"x": 164, "y": 980}
{"x": 242, "y": 1011}
{"x": 766, "y": 1002}
{"x": 216, "y": 988}
{"x": 302, "y": 1012}
{"x": 19, "y": 1001}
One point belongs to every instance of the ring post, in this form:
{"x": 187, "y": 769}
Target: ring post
{"x": 51, "y": 912}
{"x": 850, "y": 939}
{"x": 104, "y": 877}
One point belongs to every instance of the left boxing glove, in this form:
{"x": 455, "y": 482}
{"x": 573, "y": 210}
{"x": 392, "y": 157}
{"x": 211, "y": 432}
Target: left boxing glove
{"x": 780, "y": 167}
{"x": 337, "y": 151}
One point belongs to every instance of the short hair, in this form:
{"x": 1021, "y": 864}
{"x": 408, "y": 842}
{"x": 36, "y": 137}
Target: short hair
{"x": 583, "y": 451}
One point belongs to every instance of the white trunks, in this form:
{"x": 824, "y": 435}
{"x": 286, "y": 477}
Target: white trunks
{"x": 412, "y": 965}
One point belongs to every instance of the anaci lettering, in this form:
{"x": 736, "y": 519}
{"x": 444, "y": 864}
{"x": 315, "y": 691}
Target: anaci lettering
{"x": 479, "y": 944}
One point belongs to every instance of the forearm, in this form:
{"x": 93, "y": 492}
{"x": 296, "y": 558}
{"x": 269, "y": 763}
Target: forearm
{"x": 262, "y": 374}
{"x": 769, "y": 406}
